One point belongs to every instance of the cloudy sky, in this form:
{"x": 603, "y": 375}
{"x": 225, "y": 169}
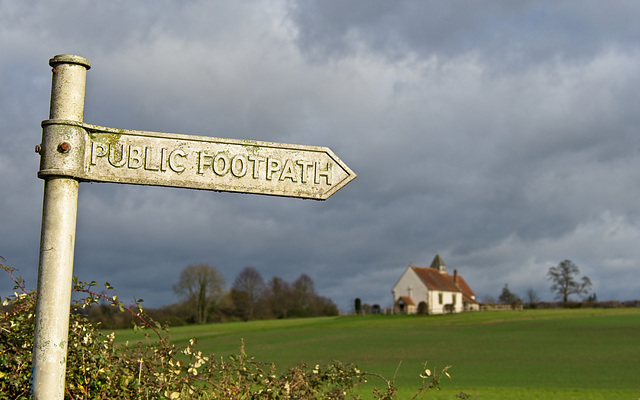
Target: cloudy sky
{"x": 502, "y": 135}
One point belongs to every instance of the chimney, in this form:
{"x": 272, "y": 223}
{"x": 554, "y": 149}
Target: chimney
{"x": 455, "y": 276}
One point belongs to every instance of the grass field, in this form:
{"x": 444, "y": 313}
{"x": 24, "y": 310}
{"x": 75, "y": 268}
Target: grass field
{"x": 532, "y": 354}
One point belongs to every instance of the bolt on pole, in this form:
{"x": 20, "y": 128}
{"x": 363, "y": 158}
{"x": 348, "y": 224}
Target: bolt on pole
{"x": 57, "y": 240}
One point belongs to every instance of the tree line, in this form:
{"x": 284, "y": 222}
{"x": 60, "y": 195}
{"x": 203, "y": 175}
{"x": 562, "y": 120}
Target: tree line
{"x": 205, "y": 299}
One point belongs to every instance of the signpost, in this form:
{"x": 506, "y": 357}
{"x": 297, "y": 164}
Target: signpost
{"x": 101, "y": 154}
{"x": 73, "y": 151}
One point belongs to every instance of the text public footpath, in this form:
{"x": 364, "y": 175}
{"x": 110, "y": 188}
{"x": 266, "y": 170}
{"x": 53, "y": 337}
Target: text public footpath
{"x": 203, "y": 162}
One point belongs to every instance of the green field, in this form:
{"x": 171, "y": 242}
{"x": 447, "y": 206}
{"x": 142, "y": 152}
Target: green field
{"x": 532, "y": 354}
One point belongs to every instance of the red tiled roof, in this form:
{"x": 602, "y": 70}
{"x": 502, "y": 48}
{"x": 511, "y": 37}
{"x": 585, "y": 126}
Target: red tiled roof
{"x": 407, "y": 300}
{"x": 434, "y": 280}
{"x": 466, "y": 290}
{"x": 468, "y": 299}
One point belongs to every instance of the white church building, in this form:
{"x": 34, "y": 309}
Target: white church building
{"x": 432, "y": 290}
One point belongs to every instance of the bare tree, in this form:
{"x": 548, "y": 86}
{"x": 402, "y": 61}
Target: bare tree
{"x": 279, "y": 297}
{"x": 564, "y": 281}
{"x": 200, "y": 285}
{"x": 304, "y": 295}
{"x": 247, "y": 293}
{"x": 298, "y": 299}
{"x": 532, "y": 297}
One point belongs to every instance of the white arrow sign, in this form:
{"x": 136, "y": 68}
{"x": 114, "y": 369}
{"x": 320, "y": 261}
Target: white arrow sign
{"x": 101, "y": 154}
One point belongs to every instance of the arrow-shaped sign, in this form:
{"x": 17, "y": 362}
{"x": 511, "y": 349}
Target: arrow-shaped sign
{"x": 101, "y": 154}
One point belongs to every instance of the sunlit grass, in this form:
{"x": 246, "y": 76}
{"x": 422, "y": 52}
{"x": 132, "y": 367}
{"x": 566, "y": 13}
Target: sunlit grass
{"x": 592, "y": 353}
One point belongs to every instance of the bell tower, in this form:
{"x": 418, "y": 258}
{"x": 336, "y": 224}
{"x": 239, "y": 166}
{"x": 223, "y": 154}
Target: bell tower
{"x": 439, "y": 264}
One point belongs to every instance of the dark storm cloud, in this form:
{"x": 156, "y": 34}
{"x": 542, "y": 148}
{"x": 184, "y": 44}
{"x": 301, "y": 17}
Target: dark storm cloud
{"x": 507, "y": 33}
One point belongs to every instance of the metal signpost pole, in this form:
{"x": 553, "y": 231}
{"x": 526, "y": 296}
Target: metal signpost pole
{"x": 57, "y": 238}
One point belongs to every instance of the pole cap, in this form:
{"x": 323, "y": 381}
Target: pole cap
{"x": 69, "y": 59}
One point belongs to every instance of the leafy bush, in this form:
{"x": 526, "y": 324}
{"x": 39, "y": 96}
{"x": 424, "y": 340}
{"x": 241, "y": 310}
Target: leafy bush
{"x": 155, "y": 368}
